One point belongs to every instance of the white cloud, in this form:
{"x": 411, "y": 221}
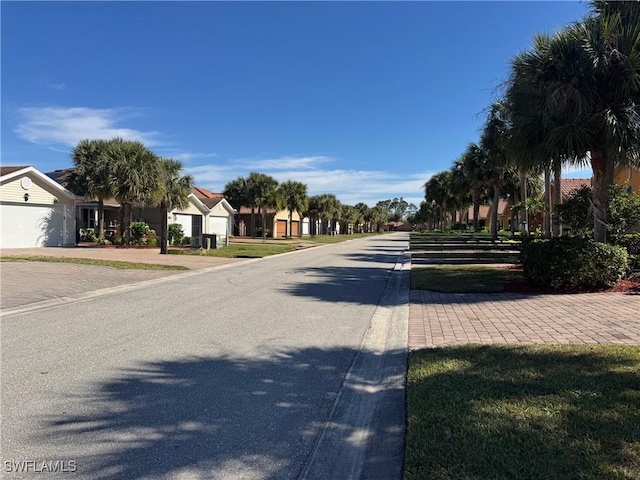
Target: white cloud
{"x": 67, "y": 126}
{"x": 349, "y": 185}
{"x": 56, "y": 86}
{"x": 285, "y": 163}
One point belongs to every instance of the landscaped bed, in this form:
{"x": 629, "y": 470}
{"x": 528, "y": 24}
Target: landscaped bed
{"x": 535, "y": 412}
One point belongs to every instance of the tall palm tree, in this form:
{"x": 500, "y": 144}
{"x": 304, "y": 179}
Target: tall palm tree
{"x": 173, "y": 193}
{"x": 313, "y": 212}
{"x": 294, "y": 196}
{"x": 91, "y": 175}
{"x": 494, "y": 140}
{"x": 363, "y": 210}
{"x": 583, "y": 84}
{"x": 264, "y": 195}
{"x": 438, "y": 190}
{"x": 472, "y": 162}
{"x": 134, "y": 172}
{"x": 328, "y": 209}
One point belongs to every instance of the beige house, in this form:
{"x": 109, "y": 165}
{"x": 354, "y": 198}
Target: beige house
{"x": 208, "y": 213}
{"x": 35, "y": 211}
{"x": 277, "y": 223}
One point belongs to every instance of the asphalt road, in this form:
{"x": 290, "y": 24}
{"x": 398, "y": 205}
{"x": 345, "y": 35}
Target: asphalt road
{"x": 287, "y": 367}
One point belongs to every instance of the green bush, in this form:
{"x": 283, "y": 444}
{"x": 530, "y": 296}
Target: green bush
{"x": 117, "y": 240}
{"x": 103, "y": 241}
{"x": 87, "y": 235}
{"x": 572, "y": 262}
{"x": 151, "y": 241}
{"x": 631, "y": 242}
{"x": 139, "y": 230}
{"x": 185, "y": 241}
{"x": 175, "y": 233}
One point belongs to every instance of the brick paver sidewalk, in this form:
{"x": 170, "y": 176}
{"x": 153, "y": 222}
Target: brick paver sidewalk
{"x": 440, "y": 319}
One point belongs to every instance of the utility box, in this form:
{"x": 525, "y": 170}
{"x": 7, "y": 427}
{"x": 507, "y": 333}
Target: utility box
{"x": 210, "y": 240}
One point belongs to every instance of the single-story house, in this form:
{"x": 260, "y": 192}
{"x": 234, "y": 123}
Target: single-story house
{"x": 35, "y": 211}
{"x": 207, "y": 213}
{"x": 277, "y": 223}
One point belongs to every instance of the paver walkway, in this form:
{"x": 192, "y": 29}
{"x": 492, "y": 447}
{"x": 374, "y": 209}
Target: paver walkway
{"x": 441, "y": 319}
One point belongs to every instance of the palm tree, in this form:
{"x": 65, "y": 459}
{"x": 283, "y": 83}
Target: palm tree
{"x": 263, "y": 190}
{"x": 91, "y": 175}
{"x": 328, "y": 208}
{"x": 135, "y": 176}
{"x": 294, "y": 196}
{"x": 313, "y": 212}
{"x": 472, "y": 162}
{"x": 583, "y": 85}
{"x": 438, "y": 190}
{"x": 173, "y": 193}
{"x": 493, "y": 141}
{"x": 363, "y": 213}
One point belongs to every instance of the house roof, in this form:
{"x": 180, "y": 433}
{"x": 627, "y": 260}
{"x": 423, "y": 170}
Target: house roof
{"x": 7, "y": 170}
{"x": 201, "y": 192}
{"x": 7, "y": 173}
{"x": 568, "y": 185}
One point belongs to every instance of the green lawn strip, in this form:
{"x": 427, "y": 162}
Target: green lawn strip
{"x": 238, "y": 251}
{"x": 462, "y": 278}
{"x": 92, "y": 261}
{"x": 514, "y": 412}
{"x": 338, "y": 238}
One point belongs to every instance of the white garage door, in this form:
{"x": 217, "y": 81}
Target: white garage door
{"x": 31, "y": 226}
{"x": 218, "y": 225}
{"x": 185, "y": 221}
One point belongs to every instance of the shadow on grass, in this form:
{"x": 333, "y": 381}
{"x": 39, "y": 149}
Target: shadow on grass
{"x": 210, "y": 417}
{"x": 535, "y": 412}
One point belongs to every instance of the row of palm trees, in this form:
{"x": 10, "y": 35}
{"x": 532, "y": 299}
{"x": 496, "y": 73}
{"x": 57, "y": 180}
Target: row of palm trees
{"x": 261, "y": 192}
{"x": 572, "y": 98}
{"x": 132, "y": 174}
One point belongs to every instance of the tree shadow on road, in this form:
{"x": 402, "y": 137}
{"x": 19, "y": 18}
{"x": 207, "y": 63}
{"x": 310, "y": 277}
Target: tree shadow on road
{"x": 206, "y": 416}
{"x": 360, "y": 285}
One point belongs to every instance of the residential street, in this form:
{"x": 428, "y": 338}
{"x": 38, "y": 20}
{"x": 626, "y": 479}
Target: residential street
{"x": 290, "y": 366}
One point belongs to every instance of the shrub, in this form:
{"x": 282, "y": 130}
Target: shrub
{"x": 139, "y": 230}
{"x": 631, "y": 242}
{"x": 572, "y": 262}
{"x": 175, "y": 233}
{"x": 103, "y": 241}
{"x": 87, "y": 235}
{"x": 152, "y": 241}
{"x": 117, "y": 240}
{"x": 185, "y": 241}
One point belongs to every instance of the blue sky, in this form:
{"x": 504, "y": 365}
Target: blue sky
{"x": 362, "y": 99}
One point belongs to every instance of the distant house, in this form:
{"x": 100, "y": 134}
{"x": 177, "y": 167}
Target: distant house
{"x": 629, "y": 177}
{"x": 277, "y": 223}
{"x": 35, "y": 211}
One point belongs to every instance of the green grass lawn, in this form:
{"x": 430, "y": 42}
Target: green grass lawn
{"x": 524, "y": 412}
{"x": 338, "y": 238}
{"x": 91, "y": 261}
{"x": 462, "y": 278}
{"x": 249, "y": 250}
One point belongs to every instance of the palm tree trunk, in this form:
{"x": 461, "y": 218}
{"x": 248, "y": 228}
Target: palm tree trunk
{"x": 100, "y": 218}
{"x": 599, "y": 167}
{"x": 476, "y": 210}
{"x": 290, "y": 224}
{"x": 164, "y": 229}
{"x": 523, "y": 192}
{"x": 557, "y": 198}
{"x": 494, "y": 212}
{"x": 547, "y": 196}
{"x": 264, "y": 224}
{"x": 253, "y": 222}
